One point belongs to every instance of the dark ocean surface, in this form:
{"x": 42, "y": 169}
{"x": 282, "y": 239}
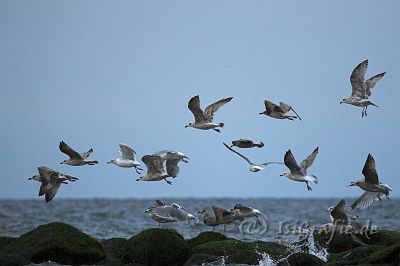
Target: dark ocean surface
{"x": 107, "y": 218}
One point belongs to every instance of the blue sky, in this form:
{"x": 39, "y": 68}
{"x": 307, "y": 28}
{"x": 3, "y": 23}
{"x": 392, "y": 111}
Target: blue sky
{"x": 99, "y": 73}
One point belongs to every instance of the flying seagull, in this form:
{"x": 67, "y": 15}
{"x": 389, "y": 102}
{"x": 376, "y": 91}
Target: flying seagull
{"x": 172, "y": 212}
{"x": 278, "y": 111}
{"x": 299, "y": 172}
{"x": 75, "y": 159}
{"x": 361, "y": 89}
{"x": 203, "y": 119}
{"x": 371, "y": 185}
{"x": 172, "y": 158}
{"x": 246, "y": 143}
{"x": 155, "y": 169}
{"x": 51, "y": 181}
{"x": 127, "y": 159}
{"x": 252, "y": 167}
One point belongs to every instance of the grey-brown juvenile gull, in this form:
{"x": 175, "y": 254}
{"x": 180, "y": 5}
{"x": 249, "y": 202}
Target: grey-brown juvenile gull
{"x": 278, "y": 111}
{"x": 75, "y": 159}
{"x": 204, "y": 119}
{"x": 360, "y": 89}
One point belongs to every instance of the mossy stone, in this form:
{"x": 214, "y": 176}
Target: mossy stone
{"x": 156, "y": 247}
{"x": 205, "y": 237}
{"x": 221, "y": 248}
{"x": 58, "y": 242}
{"x": 304, "y": 259}
{"x": 388, "y": 255}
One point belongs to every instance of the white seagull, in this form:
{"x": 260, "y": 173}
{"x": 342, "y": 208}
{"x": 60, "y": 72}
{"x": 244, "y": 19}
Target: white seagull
{"x": 127, "y": 159}
{"x": 299, "y": 173}
{"x": 252, "y": 167}
{"x": 371, "y": 185}
{"x": 203, "y": 120}
{"x": 361, "y": 89}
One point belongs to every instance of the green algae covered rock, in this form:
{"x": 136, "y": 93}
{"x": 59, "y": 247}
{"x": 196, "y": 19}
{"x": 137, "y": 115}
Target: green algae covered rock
{"x": 58, "y": 242}
{"x": 205, "y": 237}
{"x": 156, "y": 247}
{"x": 221, "y": 248}
{"x": 304, "y": 259}
{"x": 389, "y": 255}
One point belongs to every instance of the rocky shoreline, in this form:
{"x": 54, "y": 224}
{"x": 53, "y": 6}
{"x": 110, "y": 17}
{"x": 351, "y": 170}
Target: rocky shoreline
{"x": 65, "y": 244}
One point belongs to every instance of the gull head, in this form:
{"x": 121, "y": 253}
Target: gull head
{"x": 346, "y": 100}
{"x": 185, "y": 159}
{"x": 64, "y": 162}
{"x": 203, "y": 211}
{"x": 111, "y": 161}
{"x": 285, "y": 174}
{"x": 330, "y": 208}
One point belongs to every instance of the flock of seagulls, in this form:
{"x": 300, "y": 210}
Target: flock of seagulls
{"x": 165, "y": 164}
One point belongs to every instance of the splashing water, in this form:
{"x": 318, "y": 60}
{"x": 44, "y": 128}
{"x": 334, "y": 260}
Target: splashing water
{"x": 321, "y": 252}
{"x": 266, "y": 260}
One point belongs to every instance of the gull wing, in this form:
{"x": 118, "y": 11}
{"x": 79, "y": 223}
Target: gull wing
{"x": 127, "y": 152}
{"x": 291, "y": 163}
{"x": 371, "y": 82}
{"x": 369, "y": 171}
{"x": 339, "y": 213}
{"x": 212, "y": 108}
{"x": 286, "y": 108}
{"x": 64, "y": 148}
{"x": 46, "y": 173}
{"x": 172, "y": 167}
{"x": 357, "y": 80}
{"x": 194, "y": 107}
{"x": 365, "y": 200}
{"x": 154, "y": 164}
{"x": 86, "y": 155}
{"x": 244, "y": 157}
{"x": 271, "y": 107}
{"x": 308, "y": 161}
{"x": 52, "y": 191}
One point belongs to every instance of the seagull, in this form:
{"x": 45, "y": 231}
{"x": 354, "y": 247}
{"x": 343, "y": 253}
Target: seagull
{"x": 51, "y": 181}
{"x": 361, "y": 89}
{"x": 246, "y": 143}
{"x": 172, "y": 159}
{"x": 155, "y": 169}
{"x": 203, "y": 120}
{"x": 278, "y": 112}
{"x": 127, "y": 158}
{"x": 159, "y": 218}
{"x": 75, "y": 159}
{"x": 247, "y": 212}
{"x": 224, "y": 216}
{"x": 338, "y": 214}
{"x": 253, "y": 167}
{"x": 299, "y": 173}
{"x": 173, "y": 212}
{"x": 208, "y": 219}
{"x": 371, "y": 185}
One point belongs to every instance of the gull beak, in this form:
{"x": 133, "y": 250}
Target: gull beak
{"x": 186, "y": 126}
{"x": 185, "y": 159}
{"x": 352, "y": 184}
{"x": 281, "y": 175}
{"x": 108, "y": 162}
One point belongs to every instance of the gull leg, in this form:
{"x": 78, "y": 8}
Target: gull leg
{"x": 362, "y": 112}
{"x": 366, "y": 107}
{"x": 137, "y": 171}
{"x": 308, "y": 187}
{"x": 168, "y": 182}
{"x": 216, "y": 129}
{"x": 213, "y": 228}
{"x": 224, "y": 228}
{"x": 258, "y": 220}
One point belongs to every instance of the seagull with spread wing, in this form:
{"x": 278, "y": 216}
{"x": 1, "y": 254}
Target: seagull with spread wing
{"x": 361, "y": 89}
{"x": 252, "y": 167}
{"x": 51, "y": 181}
{"x": 299, "y": 172}
{"x": 204, "y": 119}
{"x": 279, "y": 111}
{"x": 75, "y": 159}
{"x": 172, "y": 158}
{"x": 127, "y": 159}
{"x": 371, "y": 185}
{"x": 155, "y": 169}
